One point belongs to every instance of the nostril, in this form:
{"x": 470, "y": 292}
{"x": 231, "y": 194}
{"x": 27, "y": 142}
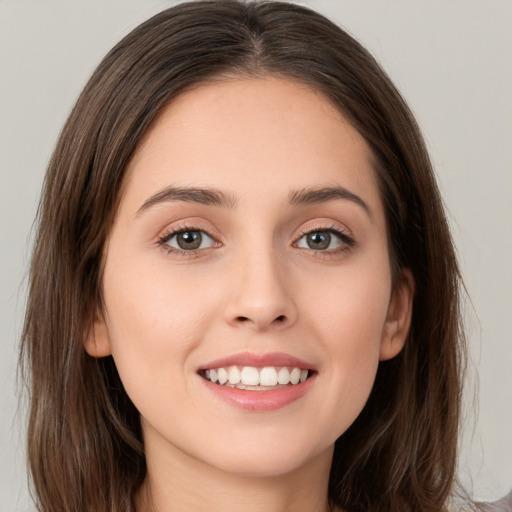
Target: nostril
{"x": 281, "y": 319}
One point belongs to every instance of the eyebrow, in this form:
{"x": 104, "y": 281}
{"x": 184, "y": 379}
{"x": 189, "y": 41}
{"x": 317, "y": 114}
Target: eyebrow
{"x": 215, "y": 197}
{"x": 312, "y": 195}
{"x": 206, "y": 196}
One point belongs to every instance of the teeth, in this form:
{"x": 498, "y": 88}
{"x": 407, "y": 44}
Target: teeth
{"x": 249, "y": 377}
{"x": 283, "y": 376}
{"x": 222, "y": 376}
{"x": 268, "y": 376}
{"x": 234, "y": 375}
{"x": 295, "y": 376}
{"x": 212, "y": 375}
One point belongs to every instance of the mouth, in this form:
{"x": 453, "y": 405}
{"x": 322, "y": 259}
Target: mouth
{"x": 258, "y": 382}
{"x": 254, "y": 378}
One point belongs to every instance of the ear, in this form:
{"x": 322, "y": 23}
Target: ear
{"x": 97, "y": 340}
{"x": 399, "y": 316}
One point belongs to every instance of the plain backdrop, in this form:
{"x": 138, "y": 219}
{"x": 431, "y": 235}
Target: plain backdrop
{"x": 451, "y": 59}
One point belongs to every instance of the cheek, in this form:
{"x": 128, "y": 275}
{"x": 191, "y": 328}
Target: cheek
{"x": 153, "y": 317}
{"x": 155, "y": 321}
{"x": 348, "y": 312}
{"x": 350, "y": 305}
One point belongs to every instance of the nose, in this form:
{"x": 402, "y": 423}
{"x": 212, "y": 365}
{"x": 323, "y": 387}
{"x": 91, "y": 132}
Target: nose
{"x": 260, "y": 294}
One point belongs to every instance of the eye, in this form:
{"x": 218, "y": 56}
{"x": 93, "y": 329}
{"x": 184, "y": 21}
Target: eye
{"x": 187, "y": 240}
{"x": 325, "y": 240}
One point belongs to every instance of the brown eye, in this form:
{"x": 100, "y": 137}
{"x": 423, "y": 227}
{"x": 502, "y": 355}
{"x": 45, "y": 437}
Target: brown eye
{"x": 318, "y": 240}
{"x": 189, "y": 240}
{"x": 325, "y": 240}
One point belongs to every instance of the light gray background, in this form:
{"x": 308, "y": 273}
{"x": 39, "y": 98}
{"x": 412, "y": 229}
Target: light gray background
{"x": 452, "y": 60}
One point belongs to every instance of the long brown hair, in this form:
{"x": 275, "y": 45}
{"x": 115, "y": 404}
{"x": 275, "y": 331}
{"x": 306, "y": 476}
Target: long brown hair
{"x": 84, "y": 438}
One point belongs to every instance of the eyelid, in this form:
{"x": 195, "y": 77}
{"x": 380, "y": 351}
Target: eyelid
{"x": 324, "y": 224}
{"x": 167, "y": 240}
{"x": 343, "y": 233}
{"x": 328, "y": 225}
{"x": 187, "y": 225}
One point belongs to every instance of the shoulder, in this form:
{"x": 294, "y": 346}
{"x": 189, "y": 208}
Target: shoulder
{"x": 503, "y": 505}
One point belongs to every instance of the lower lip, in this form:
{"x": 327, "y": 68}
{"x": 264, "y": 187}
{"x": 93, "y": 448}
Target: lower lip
{"x": 260, "y": 400}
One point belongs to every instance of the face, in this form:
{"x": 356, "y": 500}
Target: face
{"x": 250, "y": 235}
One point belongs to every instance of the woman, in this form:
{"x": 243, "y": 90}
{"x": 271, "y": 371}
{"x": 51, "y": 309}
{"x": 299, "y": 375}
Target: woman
{"x": 295, "y": 343}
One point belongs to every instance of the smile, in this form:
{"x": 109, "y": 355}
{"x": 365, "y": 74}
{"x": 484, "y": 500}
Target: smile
{"x": 258, "y": 382}
{"x": 256, "y": 379}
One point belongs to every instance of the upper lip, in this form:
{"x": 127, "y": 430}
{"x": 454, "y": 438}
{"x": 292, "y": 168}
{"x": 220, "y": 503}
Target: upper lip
{"x": 259, "y": 360}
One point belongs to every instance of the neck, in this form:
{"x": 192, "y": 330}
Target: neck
{"x": 175, "y": 481}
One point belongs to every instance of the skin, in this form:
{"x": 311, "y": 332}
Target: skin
{"x": 255, "y": 285}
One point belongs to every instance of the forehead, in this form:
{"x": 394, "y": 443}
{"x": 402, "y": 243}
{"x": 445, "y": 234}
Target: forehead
{"x": 252, "y": 137}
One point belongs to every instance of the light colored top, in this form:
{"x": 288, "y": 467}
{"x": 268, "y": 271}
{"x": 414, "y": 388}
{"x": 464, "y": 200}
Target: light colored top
{"x": 503, "y": 505}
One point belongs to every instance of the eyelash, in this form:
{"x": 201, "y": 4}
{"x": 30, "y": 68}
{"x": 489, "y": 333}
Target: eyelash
{"x": 162, "y": 241}
{"x": 347, "y": 241}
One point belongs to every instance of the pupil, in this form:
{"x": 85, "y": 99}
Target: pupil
{"x": 189, "y": 240}
{"x": 319, "y": 240}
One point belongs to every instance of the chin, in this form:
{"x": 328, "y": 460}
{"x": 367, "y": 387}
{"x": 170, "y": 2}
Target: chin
{"x": 267, "y": 459}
